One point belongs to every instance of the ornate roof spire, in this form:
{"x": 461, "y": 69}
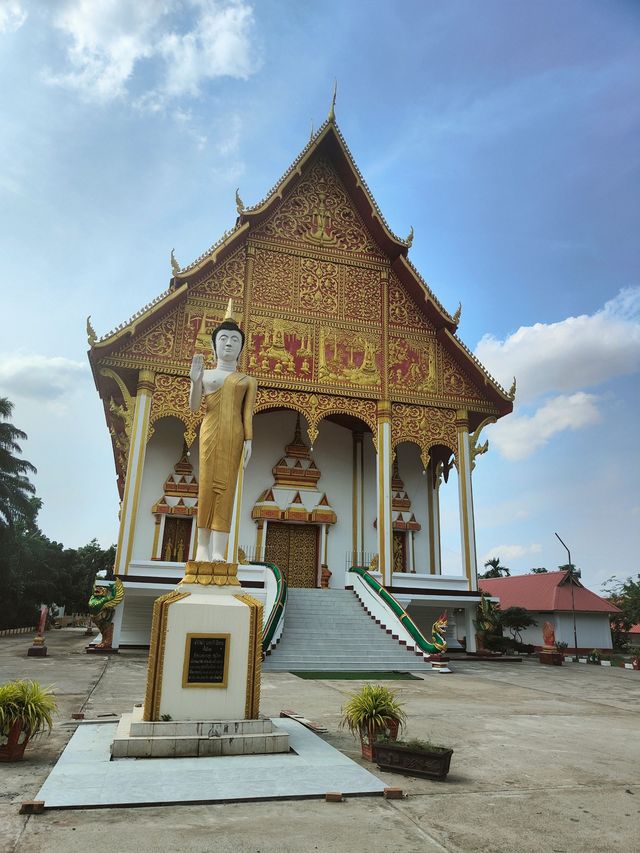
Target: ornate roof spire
{"x": 332, "y": 111}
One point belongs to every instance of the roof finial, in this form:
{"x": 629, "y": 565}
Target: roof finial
{"x": 91, "y": 333}
{"x": 511, "y": 393}
{"x": 312, "y": 131}
{"x": 332, "y": 111}
{"x": 458, "y": 314}
{"x": 409, "y": 238}
{"x": 175, "y": 266}
{"x": 229, "y": 315}
{"x": 239, "y": 202}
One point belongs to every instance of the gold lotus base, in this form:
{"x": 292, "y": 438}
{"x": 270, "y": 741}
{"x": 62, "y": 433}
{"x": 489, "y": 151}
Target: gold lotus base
{"x": 205, "y": 573}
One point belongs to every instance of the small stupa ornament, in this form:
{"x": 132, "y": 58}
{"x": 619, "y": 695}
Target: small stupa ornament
{"x": 230, "y": 315}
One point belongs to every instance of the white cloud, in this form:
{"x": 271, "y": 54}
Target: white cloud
{"x": 576, "y": 353}
{"x": 39, "y": 377}
{"x": 518, "y": 436}
{"x": 511, "y": 552}
{"x": 182, "y": 43}
{"x": 12, "y": 16}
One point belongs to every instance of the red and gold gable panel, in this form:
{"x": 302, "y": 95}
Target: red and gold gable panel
{"x": 313, "y": 287}
{"x": 198, "y": 325}
{"x": 456, "y": 385}
{"x": 156, "y": 344}
{"x": 412, "y": 365}
{"x": 311, "y": 353}
{"x": 224, "y": 283}
{"x": 403, "y": 311}
{"x": 318, "y": 212}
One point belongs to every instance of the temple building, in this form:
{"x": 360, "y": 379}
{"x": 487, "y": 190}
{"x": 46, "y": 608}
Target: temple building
{"x": 368, "y": 404}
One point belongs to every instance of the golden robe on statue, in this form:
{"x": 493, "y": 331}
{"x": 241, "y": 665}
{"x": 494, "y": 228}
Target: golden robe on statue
{"x": 226, "y": 426}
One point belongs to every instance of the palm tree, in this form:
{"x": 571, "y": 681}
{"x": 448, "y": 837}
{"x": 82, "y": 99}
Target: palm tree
{"x": 16, "y": 489}
{"x": 494, "y": 569}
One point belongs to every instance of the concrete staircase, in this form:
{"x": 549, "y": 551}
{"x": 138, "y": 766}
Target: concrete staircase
{"x": 329, "y": 630}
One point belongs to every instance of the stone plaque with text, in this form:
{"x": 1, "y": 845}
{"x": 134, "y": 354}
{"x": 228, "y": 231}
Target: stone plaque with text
{"x": 206, "y": 660}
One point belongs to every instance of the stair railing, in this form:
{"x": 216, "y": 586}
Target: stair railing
{"x": 275, "y": 585}
{"x": 388, "y": 611}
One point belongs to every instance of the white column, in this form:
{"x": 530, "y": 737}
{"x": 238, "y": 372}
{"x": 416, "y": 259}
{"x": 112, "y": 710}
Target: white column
{"x": 385, "y": 520}
{"x": 135, "y": 464}
{"x": 470, "y": 628}
{"x": 411, "y": 566}
{"x": 434, "y": 479}
{"x": 465, "y": 494}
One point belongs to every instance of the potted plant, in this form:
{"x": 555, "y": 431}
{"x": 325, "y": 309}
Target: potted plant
{"x": 370, "y": 712}
{"x": 414, "y": 757}
{"x": 594, "y": 656}
{"x": 26, "y": 710}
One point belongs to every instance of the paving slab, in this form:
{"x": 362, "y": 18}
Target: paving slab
{"x": 86, "y": 777}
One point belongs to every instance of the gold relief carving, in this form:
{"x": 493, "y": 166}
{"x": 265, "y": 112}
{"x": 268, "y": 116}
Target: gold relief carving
{"x": 274, "y": 279}
{"x": 171, "y": 399}
{"x": 226, "y": 281}
{"x": 362, "y": 294}
{"x": 349, "y": 356}
{"x": 123, "y": 412}
{"x": 423, "y": 426}
{"x": 319, "y": 286}
{"x": 412, "y": 364}
{"x": 279, "y": 348}
{"x": 454, "y": 381}
{"x": 315, "y": 407}
{"x": 402, "y": 309}
{"x": 153, "y": 692}
{"x": 158, "y": 341}
{"x": 196, "y": 335}
{"x": 254, "y": 657}
{"x": 319, "y": 211}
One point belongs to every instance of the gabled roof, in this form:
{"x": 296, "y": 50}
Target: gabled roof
{"x": 329, "y": 143}
{"x": 545, "y": 592}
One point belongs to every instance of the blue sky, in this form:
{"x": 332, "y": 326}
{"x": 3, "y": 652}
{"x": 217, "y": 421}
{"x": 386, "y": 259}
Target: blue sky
{"x": 505, "y": 133}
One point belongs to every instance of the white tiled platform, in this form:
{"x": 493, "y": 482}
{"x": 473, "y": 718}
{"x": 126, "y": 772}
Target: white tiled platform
{"x": 85, "y": 777}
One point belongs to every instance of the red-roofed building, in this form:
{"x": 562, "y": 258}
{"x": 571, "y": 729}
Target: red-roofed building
{"x": 547, "y": 596}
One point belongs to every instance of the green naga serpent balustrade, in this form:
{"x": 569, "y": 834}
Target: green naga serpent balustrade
{"x": 438, "y": 642}
{"x": 277, "y": 610}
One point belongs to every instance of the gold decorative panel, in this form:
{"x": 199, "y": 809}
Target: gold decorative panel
{"x": 402, "y": 309}
{"x": 319, "y": 286}
{"x": 455, "y": 382}
{"x": 281, "y": 348}
{"x": 319, "y": 212}
{"x": 412, "y": 365}
{"x": 274, "y": 279}
{"x": 315, "y": 407}
{"x": 424, "y": 426}
{"x": 225, "y": 282}
{"x": 293, "y": 548}
{"x": 171, "y": 399}
{"x": 362, "y": 294}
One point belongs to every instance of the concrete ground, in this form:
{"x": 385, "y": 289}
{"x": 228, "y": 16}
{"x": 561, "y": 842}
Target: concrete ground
{"x": 545, "y": 759}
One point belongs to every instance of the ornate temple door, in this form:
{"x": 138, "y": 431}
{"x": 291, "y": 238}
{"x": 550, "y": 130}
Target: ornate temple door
{"x": 176, "y": 539}
{"x": 399, "y": 551}
{"x": 293, "y": 548}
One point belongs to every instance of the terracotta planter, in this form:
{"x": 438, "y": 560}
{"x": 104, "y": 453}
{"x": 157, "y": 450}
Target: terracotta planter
{"x": 367, "y": 747}
{"x": 13, "y": 749}
{"x": 413, "y": 762}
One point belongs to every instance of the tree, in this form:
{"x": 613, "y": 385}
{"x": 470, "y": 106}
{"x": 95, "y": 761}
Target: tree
{"x": 494, "y": 569}
{"x": 516, "y": 619}
{"x": 626, "y": 596}
{"x": 16, "y": 490}
{"x": 539, "y": 571}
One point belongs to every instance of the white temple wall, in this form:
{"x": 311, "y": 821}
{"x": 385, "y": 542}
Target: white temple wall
{"x": 163, "y": 451}
{"x": 450, "y": 526}
{"x": 333, "y": 454}
{"x": 415, "y": 484}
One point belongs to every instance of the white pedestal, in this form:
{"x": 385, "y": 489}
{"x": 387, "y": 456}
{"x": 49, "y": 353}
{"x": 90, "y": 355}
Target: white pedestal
{"x": 205, "y": 655}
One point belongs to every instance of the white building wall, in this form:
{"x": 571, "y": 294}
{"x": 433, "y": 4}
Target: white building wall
{"x": 163, "y": 451}
{"x": 592, "y": 629}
